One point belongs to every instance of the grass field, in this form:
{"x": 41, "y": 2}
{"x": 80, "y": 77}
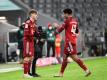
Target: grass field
{"x": 73, "y": 72}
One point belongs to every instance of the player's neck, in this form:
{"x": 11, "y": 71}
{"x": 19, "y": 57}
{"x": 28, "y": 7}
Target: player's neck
{"x": 70, "y": 16}
{"x": 32, "y": 19}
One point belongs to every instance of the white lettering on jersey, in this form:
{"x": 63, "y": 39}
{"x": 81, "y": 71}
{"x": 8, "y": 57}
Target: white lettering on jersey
{"x": 73, "y": 29}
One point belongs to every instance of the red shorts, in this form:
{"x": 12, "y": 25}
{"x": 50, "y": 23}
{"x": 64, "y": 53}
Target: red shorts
{"x": 70, "y": 48}
{"x": 28, "y": 48}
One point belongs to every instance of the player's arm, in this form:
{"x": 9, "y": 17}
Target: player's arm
{"x": 77, "y": 30}
{"x": 60, "y": 29}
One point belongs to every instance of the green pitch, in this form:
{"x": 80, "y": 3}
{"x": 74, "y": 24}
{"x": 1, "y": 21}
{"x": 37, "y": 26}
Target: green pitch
{"x": 73, "y": 72}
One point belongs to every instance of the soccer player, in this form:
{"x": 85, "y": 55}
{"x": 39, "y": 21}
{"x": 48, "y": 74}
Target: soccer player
{"x": 28, "y": 42}
{"x": 71, "y": 30}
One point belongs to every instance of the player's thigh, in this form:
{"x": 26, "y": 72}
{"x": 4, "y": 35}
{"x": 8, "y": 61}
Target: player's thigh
{"x": 74, "y": 57}
{"x": 70, "y": 48}
{"x": 25, "y": 47}
{"x": 65, "y": 56}
{"x": 74, "y": 49}
{"x": 31, "y": 48}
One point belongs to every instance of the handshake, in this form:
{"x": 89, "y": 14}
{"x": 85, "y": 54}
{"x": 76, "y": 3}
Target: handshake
{"x": 55, "y": 32}
{"x": 56, "y": 25}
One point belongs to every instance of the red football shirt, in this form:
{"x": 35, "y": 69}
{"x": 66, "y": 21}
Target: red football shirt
{"x": 30, "y": 29}
{"x": 70, "y": 25}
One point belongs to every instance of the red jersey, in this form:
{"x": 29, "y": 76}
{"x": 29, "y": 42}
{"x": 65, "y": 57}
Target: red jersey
{"x": 70, "y": 25}
{"x": 30, "y": 29}
{"x": 28, "y": 42}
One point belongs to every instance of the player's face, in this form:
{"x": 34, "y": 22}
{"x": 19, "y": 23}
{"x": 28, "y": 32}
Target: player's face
{"x": 65, "y": 15}
{"x": 34, "y": 16}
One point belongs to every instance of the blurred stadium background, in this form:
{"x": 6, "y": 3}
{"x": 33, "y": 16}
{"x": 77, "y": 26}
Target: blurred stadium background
{"x": 91, "y": 15}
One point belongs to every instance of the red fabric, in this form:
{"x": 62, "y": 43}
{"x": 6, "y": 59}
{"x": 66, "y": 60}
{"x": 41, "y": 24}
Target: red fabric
{"x": 29, "y": 30}
{"x": 81, "y": 64}
{"x": 64, "y": 65}
{"x": 28, "y": 42}
{"x": 70, "y": 48}
{"x": 58, "y": 45}
{"x": 26, "y": 70}
{"x": 57, "y": 51}
{"x": 29, "y": 66}
{"x": 70, "y": 25}
{"x": 28, "y": 48}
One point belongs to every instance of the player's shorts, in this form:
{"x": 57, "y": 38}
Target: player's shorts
{"x": 70, "y": 48}
{"x": 28, "y": 48}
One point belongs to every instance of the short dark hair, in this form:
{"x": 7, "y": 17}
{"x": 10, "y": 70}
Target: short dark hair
{"x": 67, "y": 10}
{"x": 33, "y": 11}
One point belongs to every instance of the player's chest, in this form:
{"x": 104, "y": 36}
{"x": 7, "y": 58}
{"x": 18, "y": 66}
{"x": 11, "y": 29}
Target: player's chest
{"x": 71, "y": 28}
{"x": 32, "y": 26}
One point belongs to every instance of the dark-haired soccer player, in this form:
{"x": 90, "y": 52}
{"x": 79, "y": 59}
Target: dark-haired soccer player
{"x": 71, "y": 30}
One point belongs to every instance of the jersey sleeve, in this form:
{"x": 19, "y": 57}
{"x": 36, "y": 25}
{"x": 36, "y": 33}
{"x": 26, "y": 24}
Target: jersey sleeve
{"x": 60, "y": 29}
{"x": 77, "y": 29}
